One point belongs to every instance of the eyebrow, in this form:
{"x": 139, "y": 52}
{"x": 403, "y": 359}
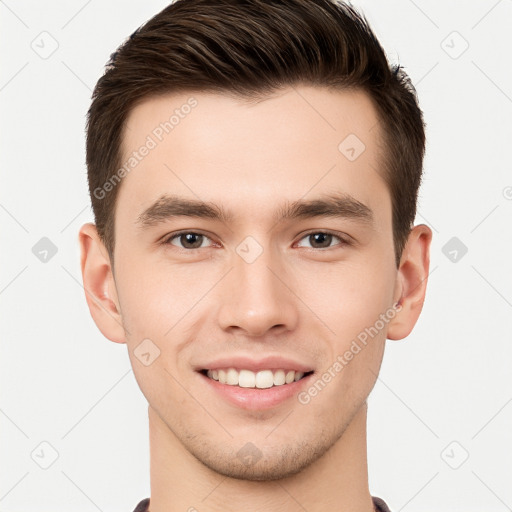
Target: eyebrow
{"x": 330, "y": 205}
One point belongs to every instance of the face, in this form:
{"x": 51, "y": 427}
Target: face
{"x": 286, "y": 262}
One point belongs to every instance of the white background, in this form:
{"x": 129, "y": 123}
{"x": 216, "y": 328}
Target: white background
{"x": 443, "y": 393}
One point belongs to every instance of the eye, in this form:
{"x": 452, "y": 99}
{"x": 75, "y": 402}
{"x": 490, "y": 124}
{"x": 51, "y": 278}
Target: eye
{"x": 322, "y": 239}
{"x": 187, "y": 239}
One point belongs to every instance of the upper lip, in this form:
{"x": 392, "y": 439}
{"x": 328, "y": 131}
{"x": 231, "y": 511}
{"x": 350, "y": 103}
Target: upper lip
{"x": 255, "y": 364}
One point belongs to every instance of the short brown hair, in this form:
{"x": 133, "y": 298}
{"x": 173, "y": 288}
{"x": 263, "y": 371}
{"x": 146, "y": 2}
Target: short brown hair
{"x": 249, "y": 49}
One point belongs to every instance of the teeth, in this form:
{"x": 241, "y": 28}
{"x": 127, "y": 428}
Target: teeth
{"x": 279, "y": 378}
{"x": 248, "y": 379}
{"x": 264, "y": 379}
{"x": 232, "y": 377}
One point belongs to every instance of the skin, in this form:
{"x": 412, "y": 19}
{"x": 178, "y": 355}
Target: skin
{"x": 299, "y": 299}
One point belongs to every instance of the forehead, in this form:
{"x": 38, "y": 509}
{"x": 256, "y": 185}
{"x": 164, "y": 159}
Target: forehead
{"x": 299, "y": 141}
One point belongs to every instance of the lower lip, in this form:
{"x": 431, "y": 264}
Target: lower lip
{"x": 255, "y": 398}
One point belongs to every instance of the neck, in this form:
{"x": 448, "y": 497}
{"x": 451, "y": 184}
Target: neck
{"x": 337, "y": 481}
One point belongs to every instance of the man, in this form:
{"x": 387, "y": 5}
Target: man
{"x": 227, "y": 143}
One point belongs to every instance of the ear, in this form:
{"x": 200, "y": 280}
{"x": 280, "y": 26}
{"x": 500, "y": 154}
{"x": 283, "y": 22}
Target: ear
{"x": 411, "y": 282}
{"x": 99, "y": 284}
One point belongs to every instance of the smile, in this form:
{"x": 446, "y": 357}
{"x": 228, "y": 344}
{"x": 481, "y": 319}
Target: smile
{"x": 248, "y": 379}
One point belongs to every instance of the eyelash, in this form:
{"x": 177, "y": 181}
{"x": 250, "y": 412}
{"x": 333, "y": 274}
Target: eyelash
{"x": 343, "y": 241}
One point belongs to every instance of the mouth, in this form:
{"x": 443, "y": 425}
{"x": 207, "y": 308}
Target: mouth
{"x": 263, "y": 379}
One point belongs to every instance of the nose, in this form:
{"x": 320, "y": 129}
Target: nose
{"x": 256, "y": 297}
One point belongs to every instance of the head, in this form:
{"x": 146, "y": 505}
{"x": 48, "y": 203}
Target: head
{"x": 250, "y": 50}
{"x": 270, "y": 115}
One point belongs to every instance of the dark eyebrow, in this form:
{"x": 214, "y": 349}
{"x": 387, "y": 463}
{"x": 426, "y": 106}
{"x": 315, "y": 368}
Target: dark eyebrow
{"x": 330, "y": 205}
{"x": 167, "y": 207}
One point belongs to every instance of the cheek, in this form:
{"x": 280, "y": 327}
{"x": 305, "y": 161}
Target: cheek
{"x": 347, "y": 297}
{"x": 155, "y": 297}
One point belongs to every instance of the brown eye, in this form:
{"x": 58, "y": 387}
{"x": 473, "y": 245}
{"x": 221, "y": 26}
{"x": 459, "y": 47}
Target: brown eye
{"x": 322, "y": 240}
{"x": 188, "y": 240}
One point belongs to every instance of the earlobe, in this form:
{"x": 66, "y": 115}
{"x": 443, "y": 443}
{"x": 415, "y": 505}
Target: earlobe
{"x": 99, "y": 285}
{"x": 411, "y": 282}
